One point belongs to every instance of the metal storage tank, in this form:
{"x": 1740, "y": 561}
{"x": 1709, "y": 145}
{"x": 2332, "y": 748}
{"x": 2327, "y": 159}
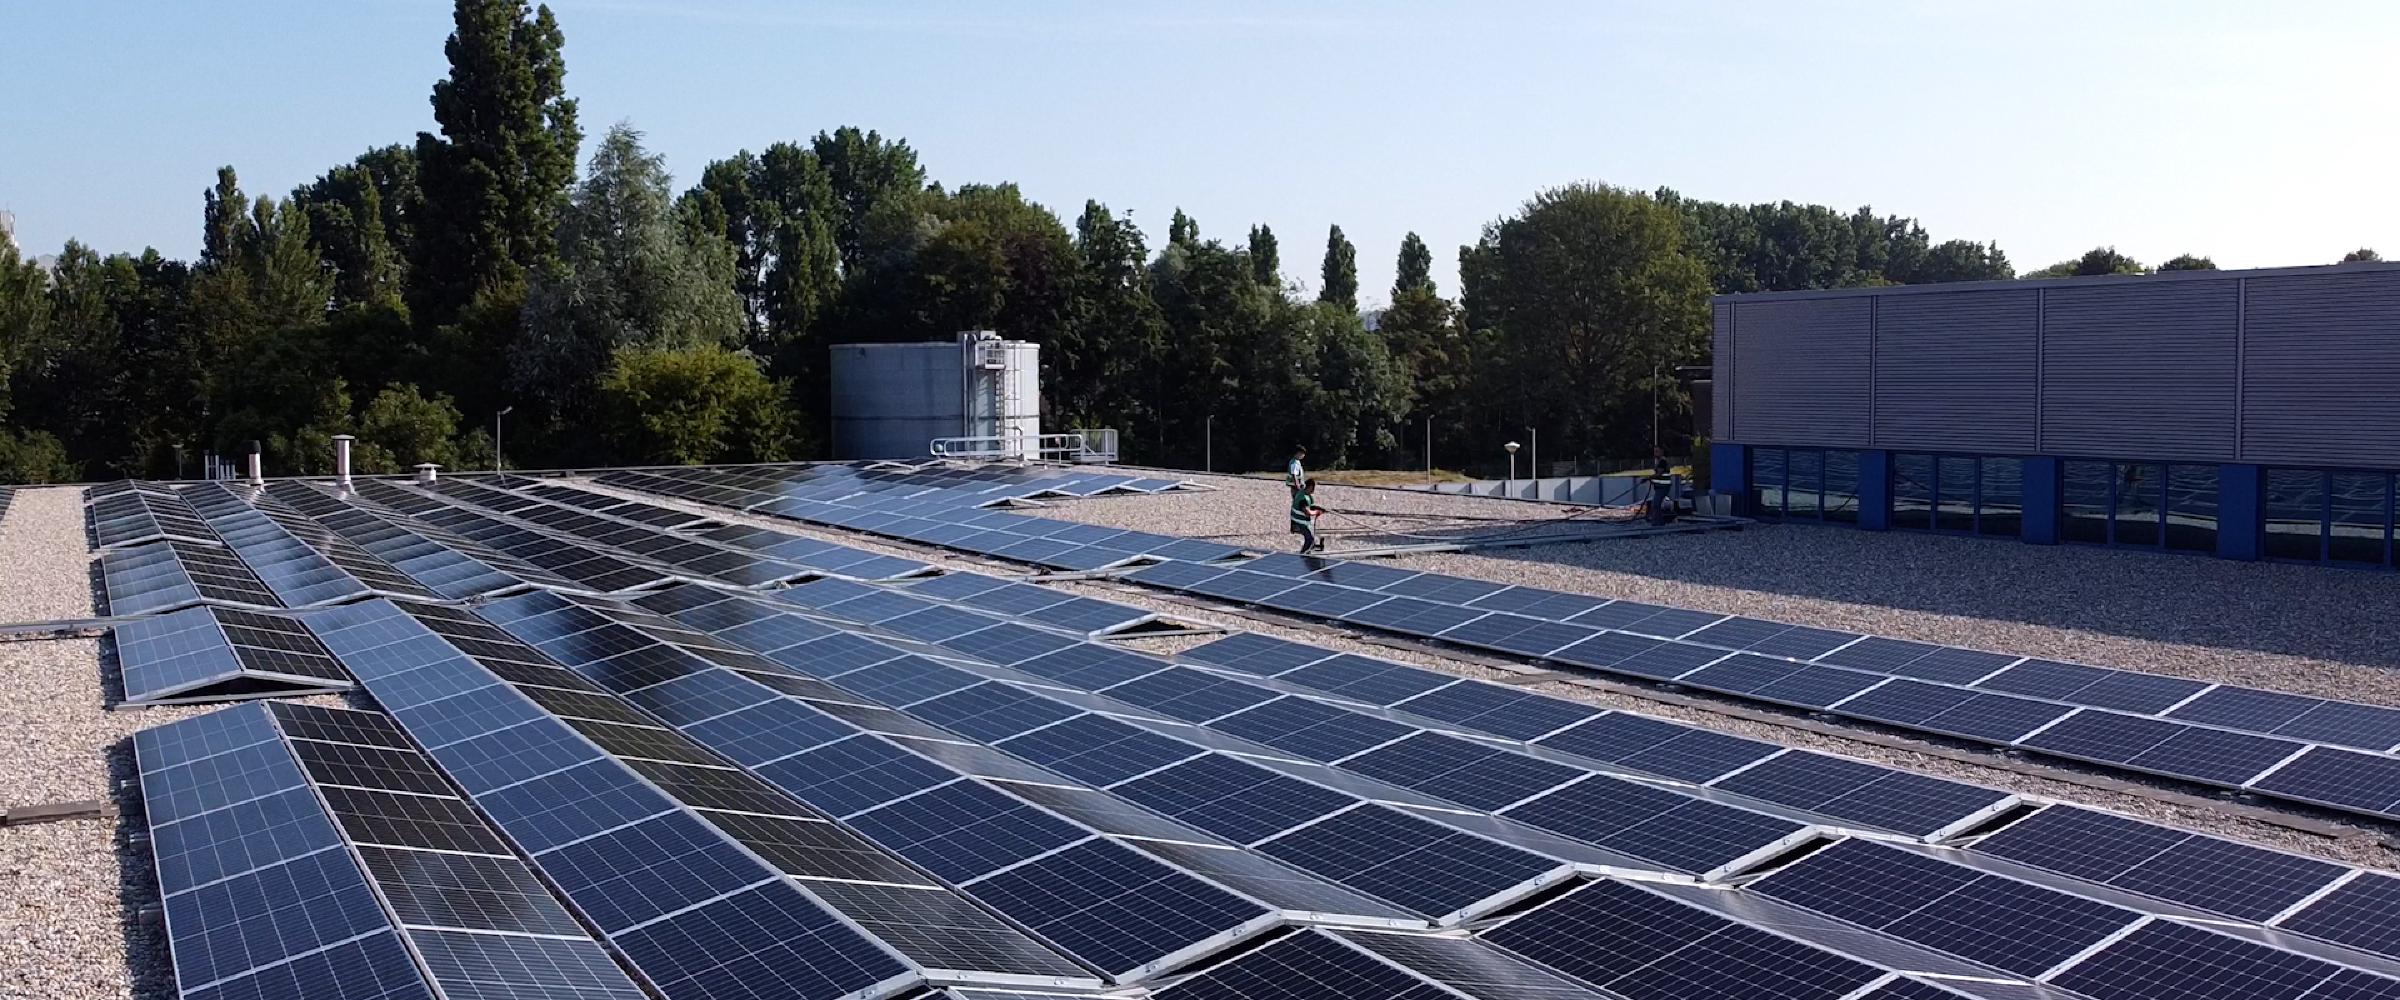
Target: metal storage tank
{"x": 895, "y": 400}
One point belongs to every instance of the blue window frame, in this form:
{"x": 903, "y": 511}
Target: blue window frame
{"x": 1961, "y": 494}
{"x": 2330, "y": 516}
{"x": 2147, "y": 505}
{"x": 1803, "y": 484}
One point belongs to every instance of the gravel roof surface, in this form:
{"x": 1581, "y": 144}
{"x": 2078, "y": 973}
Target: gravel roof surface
{"x": 67, "y": 890}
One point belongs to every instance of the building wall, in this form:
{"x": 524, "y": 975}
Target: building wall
{"x": 892, "y": 400}
{"x": 2291, "y": 366}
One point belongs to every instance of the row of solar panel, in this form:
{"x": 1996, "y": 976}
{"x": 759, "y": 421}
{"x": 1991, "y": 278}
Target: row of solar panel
{"x": 1215, "y": 794}
{"x": 2320, "y": 774}
{"x": 2025, "y": 886}
{"x": 2348, "y": 906}
{"x": 925, "y": 624}
{"x": 1019, "y": 588}
{"x": 1882, "y": 680}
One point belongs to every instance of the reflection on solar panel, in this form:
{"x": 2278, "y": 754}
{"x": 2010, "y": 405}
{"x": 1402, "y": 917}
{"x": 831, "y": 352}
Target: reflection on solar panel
{"x": 218, "y": 654}
{"x": 166, "y": 575}
{"x": 268, "y": 894}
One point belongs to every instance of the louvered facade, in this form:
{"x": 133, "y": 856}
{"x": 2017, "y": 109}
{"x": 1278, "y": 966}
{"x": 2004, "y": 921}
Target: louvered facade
{"x": 2201, "y": 401}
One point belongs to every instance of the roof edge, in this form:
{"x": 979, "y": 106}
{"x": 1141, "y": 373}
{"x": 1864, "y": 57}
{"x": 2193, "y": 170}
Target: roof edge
{"x": 2087, "y": 281}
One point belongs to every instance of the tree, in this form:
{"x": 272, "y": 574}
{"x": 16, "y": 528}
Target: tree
{"x": 1340, "y": 271}
{"x": 1101, "y": 367}
{"x": 690, "y": 406}
{"x": 350, "y": 223}
{"x": 2096, "y": 261}
{"x": 628, "y": 276}
{"x": 2188, "y": 262}
{"x": 1593, "y": 300}
{"x": 1414, "y": 272}
{"x": 1266, "y": 264}
{"x": 496, "y": 179}
{"x": 2362, "y": 254}
{"x": 402, "y": 428}
{"x": 1962, "y": 260}
{"x": 1183, "y": 230}
{"x": 868, "y": 177}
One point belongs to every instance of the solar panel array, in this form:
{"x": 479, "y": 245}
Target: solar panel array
{"x": 2339, "y": 755}
{"x": 311, "y": 852}
{"x": 944, "y": 786}
{"x": 205, "y": 654}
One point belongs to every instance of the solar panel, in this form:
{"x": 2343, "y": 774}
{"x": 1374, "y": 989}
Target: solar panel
{"x": 1117, "y": 909}
{"x": 2341, "y": 778}
{"x": 2006, "y": 924}
{"x": 1467, "y": 966}
{"x": 2219, "y": 876}
{"x": 1657, "y": 747}
{"x": 2163, "y": 959}
{"x": 1668, "y": 829}
{"x": 305, "y": 904}
{"x": 2363, "y": 913}
{"x": 1234, "y": 799}
{"x": 1462, "y": 771}
{"x": 1634, "y": 942}
{"x": 216, "y": 654}
{"x": 1256, "y": 653}
{"x": 1307, "y": 966}
{"x": 1879, "y": 797}
{"x": 166, "y": 575}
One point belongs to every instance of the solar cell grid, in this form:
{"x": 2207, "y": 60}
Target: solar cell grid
{"x": 964, "y": 830}
{"x": 1234, "y": 799}
{"x": 1189, "y": 694}
{"x": 766, "y": 941}
{"x": 1638, "y": 943}
{"x": 1116, "y": 909}
{"x": 814, "y": 849}
{"x": 940, "y": 930}
{"x": 1470, "y": 967}
{"x": 854, "y": 775}
{"x": 2009, "y": 925}
{"x": 1859, "y": 792}
{"x": 1412, "y": 862}
{"x": 1657, "y": 747}
{"x": 1255, "y": 653}
{"x": 1461, "y": 771}
{"x": 1306, "y": 966}
{"x": 1098, "y": 750}
{"x": 1376, "y": 682}
{"x": 1312, "y": 729}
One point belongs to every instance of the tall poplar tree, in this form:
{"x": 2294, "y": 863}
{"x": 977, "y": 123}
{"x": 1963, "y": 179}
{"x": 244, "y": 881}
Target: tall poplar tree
{"x": 1341, "y": 271}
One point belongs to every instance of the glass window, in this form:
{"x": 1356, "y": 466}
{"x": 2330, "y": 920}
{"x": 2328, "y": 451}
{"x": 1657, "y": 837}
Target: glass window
{"x": 1841, "y": 486}
{"x": 2295, "y": 514}
{"x": 2192, "y": 508}
{"x": 2002, "y": 498}
{"x": 1766, "y": 481}
{"x": 1954, "y": 485}
{"x": 1805, "y": 494}
{"x": 2361, "y": 517}
{"x": 1912, "y": 491}
{"x": 2086, "y": 492}
{"x": 2140, "y": 491}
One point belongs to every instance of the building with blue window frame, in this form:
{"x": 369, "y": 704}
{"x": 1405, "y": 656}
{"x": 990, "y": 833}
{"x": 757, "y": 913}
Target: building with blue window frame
{"x": 2250, "y": 414}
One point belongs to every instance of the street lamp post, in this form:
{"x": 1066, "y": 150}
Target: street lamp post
{"x": 498, "y": 465}
{"x": 1533, "y": 454}
{"x": 1512, "y": 465}
{"x": 1208, "y": 444}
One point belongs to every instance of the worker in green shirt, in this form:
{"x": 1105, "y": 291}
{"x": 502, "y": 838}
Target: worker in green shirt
{"x": 1304, "y": 516}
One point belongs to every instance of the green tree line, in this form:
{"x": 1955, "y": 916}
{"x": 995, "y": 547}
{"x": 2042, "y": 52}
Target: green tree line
{"x": 409, "y": 295}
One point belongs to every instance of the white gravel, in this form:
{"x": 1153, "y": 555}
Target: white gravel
{"x": 2305, "y": 629}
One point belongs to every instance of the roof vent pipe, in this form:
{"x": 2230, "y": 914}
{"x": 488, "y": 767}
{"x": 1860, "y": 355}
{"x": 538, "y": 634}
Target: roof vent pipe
{"x": 258, "y": 474}
{"x": 341, "y": 460}
{"x": 428, "y": 472}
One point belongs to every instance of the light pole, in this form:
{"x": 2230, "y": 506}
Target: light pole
{"x": 1533, "y": 456}
{"x": 1512, "y": 465}
{"x": 497, "y": 464}
{"x": 1208, "y": 444}
{"x": 1428, "y": 451}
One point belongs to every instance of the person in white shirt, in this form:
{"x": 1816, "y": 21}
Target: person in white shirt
{"x": 1293, "y": 477}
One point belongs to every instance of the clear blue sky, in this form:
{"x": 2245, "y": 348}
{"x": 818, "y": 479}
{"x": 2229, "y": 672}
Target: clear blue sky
{"x": 2260, "y": 134}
